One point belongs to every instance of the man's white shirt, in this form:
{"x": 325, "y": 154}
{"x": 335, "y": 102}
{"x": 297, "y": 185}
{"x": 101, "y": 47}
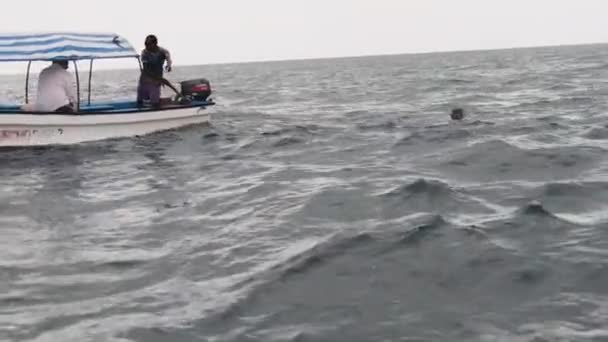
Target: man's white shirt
{"x": 55, "y": 89}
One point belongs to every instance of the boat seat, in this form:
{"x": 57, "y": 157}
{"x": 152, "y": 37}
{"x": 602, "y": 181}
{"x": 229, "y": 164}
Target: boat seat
{"x": 95, "y": 108}
{"x": 12, "y": 108}
{"x": 9, "y": 108}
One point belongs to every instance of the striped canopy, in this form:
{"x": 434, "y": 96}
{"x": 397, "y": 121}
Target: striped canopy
{"x": 63, "y": 45}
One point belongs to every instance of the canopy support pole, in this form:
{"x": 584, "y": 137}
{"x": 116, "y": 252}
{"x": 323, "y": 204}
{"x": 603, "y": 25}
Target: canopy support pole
{"x": 27, "y": 82}
{"x": 77, "y": 86}
{"x": 90, "y": 76}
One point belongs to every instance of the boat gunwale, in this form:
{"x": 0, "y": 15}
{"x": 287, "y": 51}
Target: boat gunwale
{"x": 127, "y": 111}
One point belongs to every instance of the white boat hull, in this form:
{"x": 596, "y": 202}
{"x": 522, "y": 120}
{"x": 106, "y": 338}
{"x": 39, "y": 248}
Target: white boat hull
{"x": 36, "y": 130}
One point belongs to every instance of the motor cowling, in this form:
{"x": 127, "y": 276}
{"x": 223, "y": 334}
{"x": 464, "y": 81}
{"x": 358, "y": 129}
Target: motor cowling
{"x": 196, "y": 90}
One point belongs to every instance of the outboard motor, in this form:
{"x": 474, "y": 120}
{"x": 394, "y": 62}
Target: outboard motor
{"x": 196, "y": 90}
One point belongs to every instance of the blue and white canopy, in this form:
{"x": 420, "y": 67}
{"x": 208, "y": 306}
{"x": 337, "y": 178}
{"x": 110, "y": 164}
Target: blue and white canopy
{"x": 63, "y": 45}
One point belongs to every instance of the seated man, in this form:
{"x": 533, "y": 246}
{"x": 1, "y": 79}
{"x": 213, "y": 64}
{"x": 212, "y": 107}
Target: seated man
{"x": 55, "y": 90}
{"x": 153, "y": 58}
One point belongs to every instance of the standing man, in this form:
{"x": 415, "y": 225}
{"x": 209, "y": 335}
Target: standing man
{"x": 153, "y": 58}
{"x": 55, "y": 89}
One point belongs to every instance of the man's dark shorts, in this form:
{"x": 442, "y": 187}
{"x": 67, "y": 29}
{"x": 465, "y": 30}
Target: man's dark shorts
{"x": 148, "y": 91}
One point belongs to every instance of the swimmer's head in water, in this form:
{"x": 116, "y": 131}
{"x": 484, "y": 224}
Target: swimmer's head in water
{"x": 457, "y": 114}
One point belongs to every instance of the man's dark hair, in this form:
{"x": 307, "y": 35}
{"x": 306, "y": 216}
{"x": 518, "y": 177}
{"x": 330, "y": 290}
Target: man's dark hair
{"x": 62, "y": 62}
{"x": 152, "y": 38}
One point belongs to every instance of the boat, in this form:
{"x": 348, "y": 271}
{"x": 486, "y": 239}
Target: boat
{"x": 22, "y": 126}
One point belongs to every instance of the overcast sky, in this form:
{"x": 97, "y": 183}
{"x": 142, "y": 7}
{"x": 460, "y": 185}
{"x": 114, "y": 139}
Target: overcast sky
{"x": 201, "y": 32}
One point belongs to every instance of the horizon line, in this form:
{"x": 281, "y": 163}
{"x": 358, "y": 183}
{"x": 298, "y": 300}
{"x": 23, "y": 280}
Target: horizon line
{"x": 388, "y": 54}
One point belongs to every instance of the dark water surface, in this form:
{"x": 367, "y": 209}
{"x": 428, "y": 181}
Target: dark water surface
{"x": 329, "y": 200}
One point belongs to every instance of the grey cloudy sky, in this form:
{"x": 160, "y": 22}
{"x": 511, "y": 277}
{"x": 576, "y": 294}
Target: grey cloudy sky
{"x": 200, "y": 32}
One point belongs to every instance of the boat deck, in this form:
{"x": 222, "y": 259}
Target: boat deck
{"x": 120, "y": 107}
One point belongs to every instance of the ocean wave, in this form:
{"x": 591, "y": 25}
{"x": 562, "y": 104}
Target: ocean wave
{"x": 383, "y": 126}
{"x": 574, "y": 189}
{"x": 283, "y": 142}
{"x": 578, "y": 199}
{"x": 297, "y": 129}
{"x": 418, "y": 233}
{"x": 435, "y": 135}
{"x": 497, "y": 159}
{"x": 535, "y": 209}
{"x": 597, "y": 133}
{"x": 421, "y": 186}
{"x": 306, "y": 261}
{"x": 430, "y": 196}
